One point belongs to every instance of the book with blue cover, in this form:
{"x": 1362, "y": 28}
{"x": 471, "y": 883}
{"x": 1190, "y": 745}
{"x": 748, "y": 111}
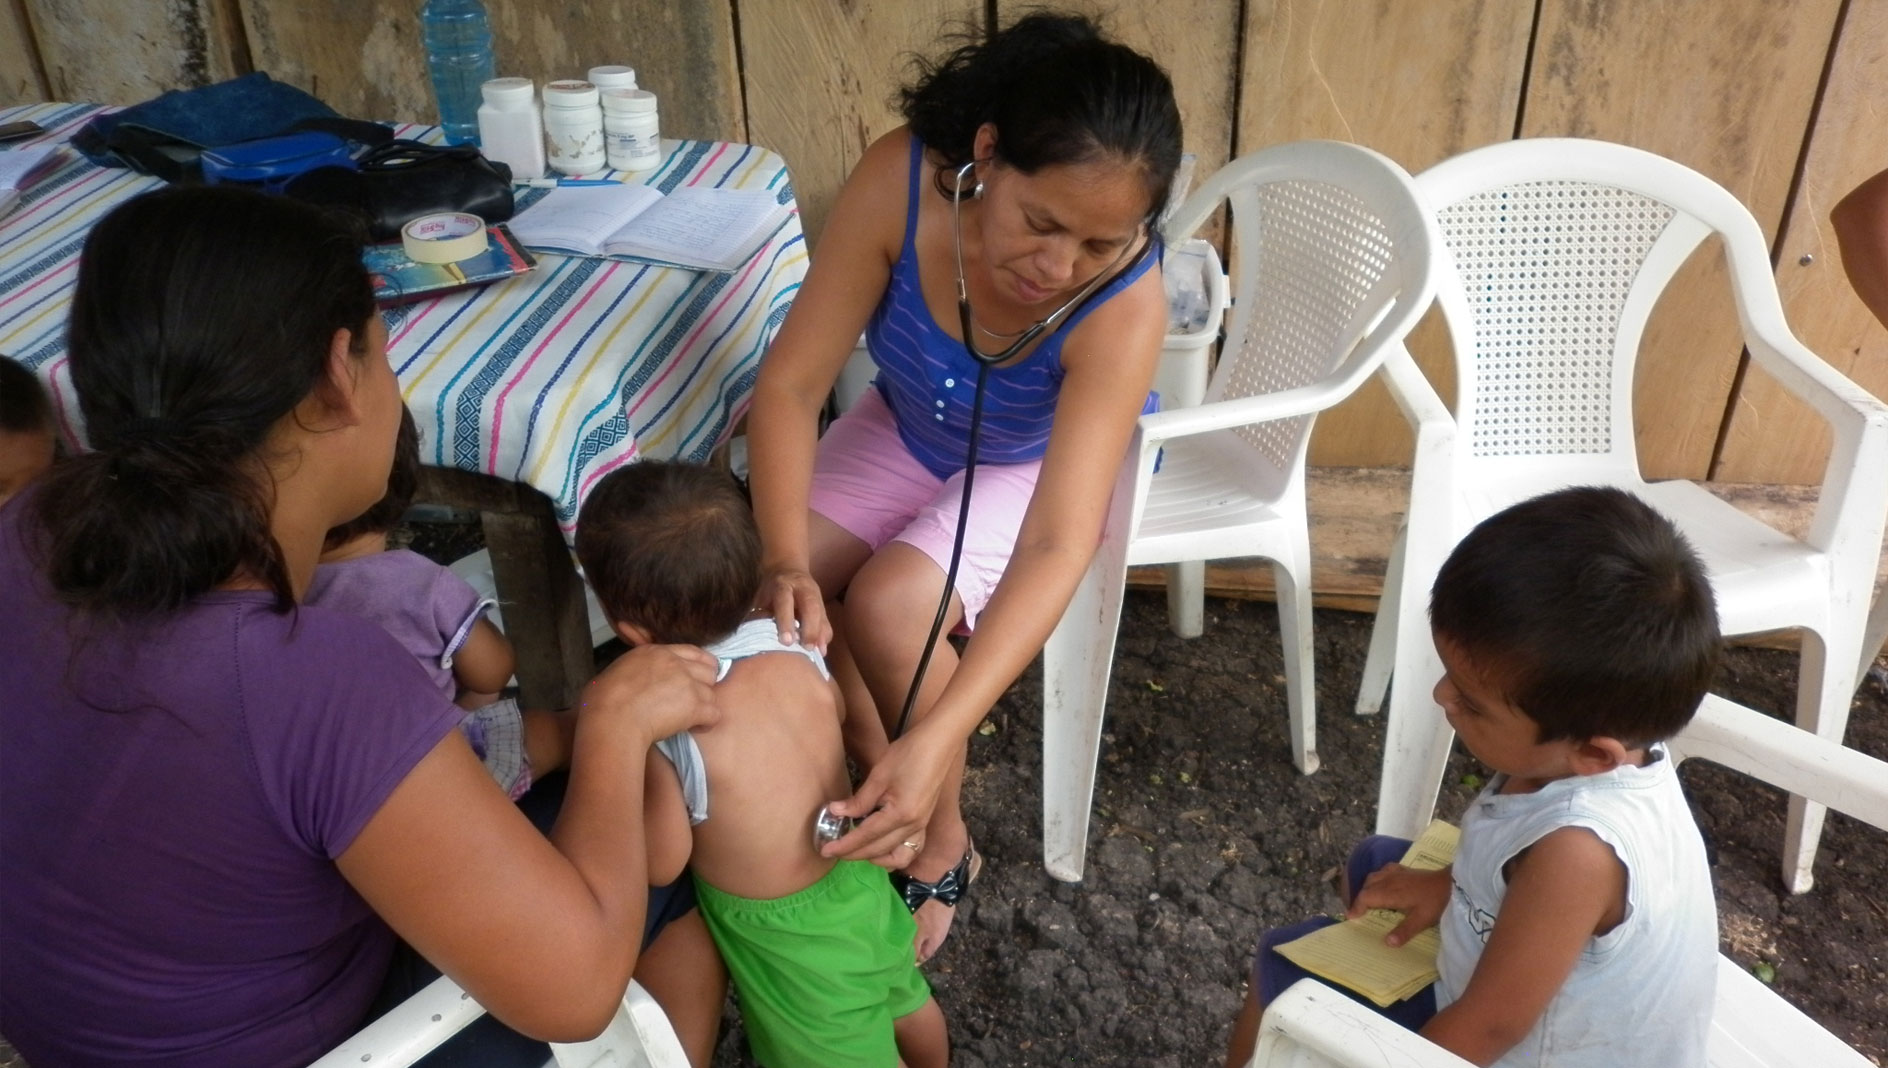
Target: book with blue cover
{"x": 398, "y": 279}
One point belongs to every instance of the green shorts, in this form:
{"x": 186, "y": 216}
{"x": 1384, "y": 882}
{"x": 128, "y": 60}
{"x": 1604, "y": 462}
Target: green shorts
{"x": 821, "y": 974}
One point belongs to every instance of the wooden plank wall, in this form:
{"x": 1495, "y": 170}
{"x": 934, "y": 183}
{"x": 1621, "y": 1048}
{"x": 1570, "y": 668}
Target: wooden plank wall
{"x": 1768, "y": 430}
{"x": 1781, "y": 103}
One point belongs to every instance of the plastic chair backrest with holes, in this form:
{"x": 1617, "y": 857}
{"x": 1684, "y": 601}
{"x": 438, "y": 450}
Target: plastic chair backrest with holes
{"x": 1314, "y": 275}
{"x": 1334, "y": 254}
{"x": 1556, "y": 252}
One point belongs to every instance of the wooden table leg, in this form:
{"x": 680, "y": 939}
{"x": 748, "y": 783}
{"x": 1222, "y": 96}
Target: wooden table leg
{"x": 538, "y": 587}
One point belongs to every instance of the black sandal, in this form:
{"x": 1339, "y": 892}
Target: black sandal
{"x": 948, "y": 889}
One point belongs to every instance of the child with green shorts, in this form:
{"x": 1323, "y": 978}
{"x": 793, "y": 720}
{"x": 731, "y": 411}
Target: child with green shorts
{"x": 820, "y": 950}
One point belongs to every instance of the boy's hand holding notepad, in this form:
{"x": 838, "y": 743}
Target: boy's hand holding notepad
{"x": 696, "y": 227}
{"x": 1353, "y": 953}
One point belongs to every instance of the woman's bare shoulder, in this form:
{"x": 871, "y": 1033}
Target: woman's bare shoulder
{"x": 875, "y": 194}
{"x": 1135, "y": 316}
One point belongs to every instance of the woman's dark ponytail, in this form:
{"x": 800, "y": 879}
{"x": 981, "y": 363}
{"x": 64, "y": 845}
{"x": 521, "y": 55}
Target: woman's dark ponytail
{"x": 202, "y": 317}
{"x": 1058, "y": 91}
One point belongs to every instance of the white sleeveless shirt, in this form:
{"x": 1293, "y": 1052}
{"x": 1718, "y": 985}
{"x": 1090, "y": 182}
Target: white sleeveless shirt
{"x": 1642, "y": 993}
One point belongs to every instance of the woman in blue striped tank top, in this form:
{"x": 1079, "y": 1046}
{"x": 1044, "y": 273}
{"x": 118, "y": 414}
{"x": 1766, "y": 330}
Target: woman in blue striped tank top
{"x": 1043, "y": 153}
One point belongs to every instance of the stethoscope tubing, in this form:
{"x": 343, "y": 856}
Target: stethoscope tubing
{"x": 985, "y": 361}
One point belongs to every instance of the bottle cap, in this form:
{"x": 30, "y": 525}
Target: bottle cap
{"x": 508, "y": 92}
{"x": 613, "y": 77}
{"x": 570, "y": 93}
{"x": 629, "y": 101}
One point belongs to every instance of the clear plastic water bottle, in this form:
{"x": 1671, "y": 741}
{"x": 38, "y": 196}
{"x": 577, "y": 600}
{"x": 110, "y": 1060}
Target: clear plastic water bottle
{"x": 458, "y": 40}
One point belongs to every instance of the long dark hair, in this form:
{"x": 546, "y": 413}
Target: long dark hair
{"x": 203, "y": 315}
{"x": 1058, "y": 92}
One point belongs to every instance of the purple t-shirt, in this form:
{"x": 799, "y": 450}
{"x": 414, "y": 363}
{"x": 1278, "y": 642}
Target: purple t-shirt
{"x": 426, "y": 607}
{"x": 171, "y": 801}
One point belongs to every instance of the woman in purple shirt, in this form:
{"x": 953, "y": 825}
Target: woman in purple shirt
{"x": 1026, "y": 178}
{"x": 221, "y": 809}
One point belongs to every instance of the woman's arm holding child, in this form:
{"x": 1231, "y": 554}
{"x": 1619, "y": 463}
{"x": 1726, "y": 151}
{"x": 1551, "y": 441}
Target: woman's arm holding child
{"x": 543, "y": 933}
{"x": 1564, "y": 890}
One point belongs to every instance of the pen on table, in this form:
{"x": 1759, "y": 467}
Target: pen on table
{"x": 552, "y": 183}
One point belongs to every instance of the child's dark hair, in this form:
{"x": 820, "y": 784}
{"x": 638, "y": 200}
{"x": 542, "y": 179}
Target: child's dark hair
{"x": 1589, "y": 609}
{"x": 203, "y": 315}
{"x": 1058, "y": 92}
{"x": 403, "y": 481}
{"x": 672, "y": 548}
{"x": 24, "y": 406}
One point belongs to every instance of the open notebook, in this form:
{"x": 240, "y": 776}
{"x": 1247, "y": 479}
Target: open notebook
{"x": 1352, "y": 954}
{"x": 701, "y": 228}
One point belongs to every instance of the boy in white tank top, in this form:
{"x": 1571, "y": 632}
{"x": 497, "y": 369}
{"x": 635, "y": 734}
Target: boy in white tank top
{"x": 1577, "y": 633}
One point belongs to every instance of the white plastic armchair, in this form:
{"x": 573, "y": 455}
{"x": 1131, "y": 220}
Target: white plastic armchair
{"x": 1555, "y": 252}
{"x": 1334, "y": 254}
{"x": 638, "y": 1036}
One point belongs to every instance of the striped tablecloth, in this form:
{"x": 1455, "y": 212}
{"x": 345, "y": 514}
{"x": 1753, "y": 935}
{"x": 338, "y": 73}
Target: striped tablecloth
{"x": 552, "y": 378}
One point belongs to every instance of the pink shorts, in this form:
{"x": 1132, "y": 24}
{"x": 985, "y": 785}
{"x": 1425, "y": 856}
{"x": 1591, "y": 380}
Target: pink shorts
{"x": 869, "y": 484}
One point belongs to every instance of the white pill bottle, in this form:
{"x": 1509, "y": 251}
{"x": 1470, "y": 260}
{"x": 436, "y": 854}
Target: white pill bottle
{"x": 632, "y": 130}
{"x": 510, "y": 131}
{"x": 573, "y": 127}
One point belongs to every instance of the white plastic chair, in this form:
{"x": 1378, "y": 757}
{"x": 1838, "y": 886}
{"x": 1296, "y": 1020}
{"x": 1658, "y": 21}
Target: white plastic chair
{"x": 638, "y": 1036}
{"x": 1556, "y": 251}
{"x": 1335, "y": 254}
{"x": 1311, "y": 1026}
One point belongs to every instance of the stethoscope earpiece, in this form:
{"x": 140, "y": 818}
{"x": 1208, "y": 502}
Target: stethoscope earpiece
{"x": 976, "y": 191}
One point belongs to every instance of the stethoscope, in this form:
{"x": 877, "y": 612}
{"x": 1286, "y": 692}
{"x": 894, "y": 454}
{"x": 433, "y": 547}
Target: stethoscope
{"x": 985, "y": 361}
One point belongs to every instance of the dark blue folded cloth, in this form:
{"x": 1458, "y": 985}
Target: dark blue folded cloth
{"x": 173, "y": 128}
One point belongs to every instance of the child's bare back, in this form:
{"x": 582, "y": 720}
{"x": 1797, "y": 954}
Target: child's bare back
{"x": 772, "y": 762}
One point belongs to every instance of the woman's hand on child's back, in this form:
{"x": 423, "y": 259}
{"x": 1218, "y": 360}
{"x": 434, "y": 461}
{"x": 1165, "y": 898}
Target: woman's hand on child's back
{"x": 658, "y": 689}
{"x": 794, "y": 598}
{"x": 1418, "y": 894}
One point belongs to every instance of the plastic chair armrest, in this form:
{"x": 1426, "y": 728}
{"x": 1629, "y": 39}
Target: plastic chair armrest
{"x": 1315, "y": 1018}
{"x": 1413, "y": 394}
{"x": 1852, "y": 485}
{"x": 639, "y": 1036}
{"x": 409, "y": 1031}
{"x": 1788, "y": 757}
{"x": 1243, "y": 411}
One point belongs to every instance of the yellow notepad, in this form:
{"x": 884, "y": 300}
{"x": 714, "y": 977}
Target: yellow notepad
{"x": 1352, "y": 953}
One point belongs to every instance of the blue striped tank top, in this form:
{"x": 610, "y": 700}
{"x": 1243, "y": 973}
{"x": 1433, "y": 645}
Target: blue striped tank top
{"x": 929, "y": 381}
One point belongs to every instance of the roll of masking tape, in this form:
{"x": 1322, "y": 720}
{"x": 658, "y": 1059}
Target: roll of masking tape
{"x": 447, "y": 237}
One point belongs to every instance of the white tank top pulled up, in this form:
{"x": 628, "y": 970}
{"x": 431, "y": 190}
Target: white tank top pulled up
{"x": 751, "y": 638}
{"x": 1640, "y": 994}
